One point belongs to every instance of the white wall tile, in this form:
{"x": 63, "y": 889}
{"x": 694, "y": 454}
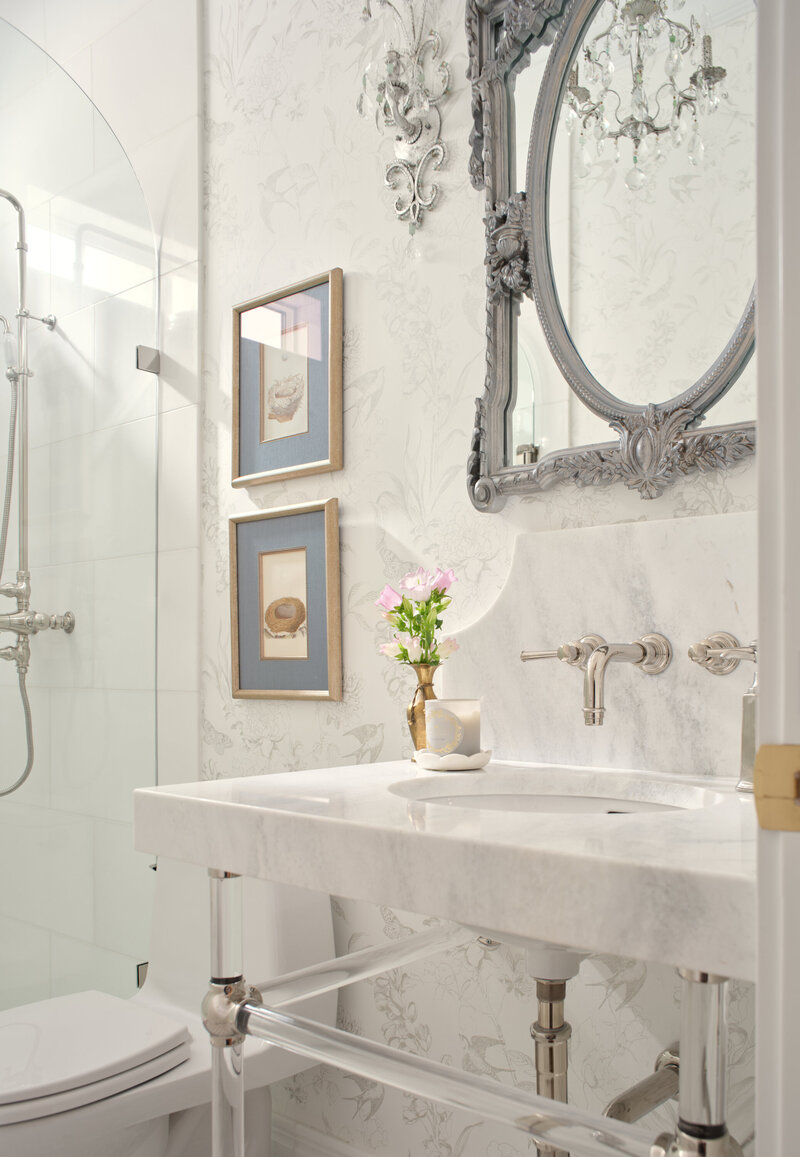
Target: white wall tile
{"x": 26, "y": 15}
{"x": 50, "y": 857}
{"x": 167, "y": 167}
{"x": 61, "y": 660}
{"x": 76, "y": 966}
{"x": 178, "y": 482}
{"x": 35, "y": 791}
{"x": 123, "y": 890}
{"x": 178, "y": 627}
{"x": 122, "y": 392}
{"x": 69, "y": 27}
{"x": 124, "y": 610}
{"x": 39, "y": 517}
{"x": 162, "y": 39}
{"x": 103, "y": 493}
{"x": 105, "y": 749}
{"x": 101, "y": 238}
{"x": 178, "y": 737}
{"x": 62, "y": 387}
{"x": 24, "y": 963}
{"x": 179, "y": 379}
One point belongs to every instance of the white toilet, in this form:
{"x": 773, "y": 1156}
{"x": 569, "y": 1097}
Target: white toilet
{"x": 90, "y": 1075}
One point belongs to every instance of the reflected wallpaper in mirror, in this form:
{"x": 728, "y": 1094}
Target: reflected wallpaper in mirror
{"x": 651, "y": 281}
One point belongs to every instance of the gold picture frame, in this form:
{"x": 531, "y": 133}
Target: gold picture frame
{"x": 286, "y": 633}
{"x": 287, "y": 382}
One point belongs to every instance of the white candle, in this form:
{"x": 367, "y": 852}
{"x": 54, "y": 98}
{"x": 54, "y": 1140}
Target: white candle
{"x": 453, "y": 726}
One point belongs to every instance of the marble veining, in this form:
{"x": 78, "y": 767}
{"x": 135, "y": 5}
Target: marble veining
{"x": 681, "y": 577}
{"x": 676, "y": 887}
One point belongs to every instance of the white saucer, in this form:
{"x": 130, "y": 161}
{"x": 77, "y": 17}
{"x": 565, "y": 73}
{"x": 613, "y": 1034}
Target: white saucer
{"x": 432, "y": 762}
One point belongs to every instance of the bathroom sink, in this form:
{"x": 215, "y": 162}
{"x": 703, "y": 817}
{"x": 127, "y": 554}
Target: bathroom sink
{"x": 552, "y": 791}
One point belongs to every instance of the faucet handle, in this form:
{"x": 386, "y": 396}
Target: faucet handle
{"x": 721, "y": 653}
{"x": 576, "y": 654}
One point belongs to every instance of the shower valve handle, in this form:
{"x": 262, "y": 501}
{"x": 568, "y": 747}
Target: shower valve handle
{"x": 31, "y": 622}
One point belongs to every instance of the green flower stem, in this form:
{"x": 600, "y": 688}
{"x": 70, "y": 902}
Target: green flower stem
{"x": 421, "y": 621}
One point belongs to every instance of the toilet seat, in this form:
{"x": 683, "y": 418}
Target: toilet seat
{"x": 69, "y": 1051}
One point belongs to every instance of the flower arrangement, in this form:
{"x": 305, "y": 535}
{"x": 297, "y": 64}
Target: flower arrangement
{"x": 414, "y": 611}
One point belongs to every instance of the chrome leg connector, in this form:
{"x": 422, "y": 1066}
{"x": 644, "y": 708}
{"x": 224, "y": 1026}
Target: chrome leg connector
{"x": 220, "y": 1009}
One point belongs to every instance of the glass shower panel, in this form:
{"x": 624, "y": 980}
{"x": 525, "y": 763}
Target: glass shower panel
{"x": 75, "y": 906}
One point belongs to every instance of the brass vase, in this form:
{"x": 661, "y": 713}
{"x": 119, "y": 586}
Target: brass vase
{"x": 415, "y": 712}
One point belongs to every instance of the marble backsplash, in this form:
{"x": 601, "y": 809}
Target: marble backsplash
{"x": 684, "y": 578}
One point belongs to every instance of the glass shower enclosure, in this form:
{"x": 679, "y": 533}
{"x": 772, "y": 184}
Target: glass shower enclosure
{"x": 75, "y": 902}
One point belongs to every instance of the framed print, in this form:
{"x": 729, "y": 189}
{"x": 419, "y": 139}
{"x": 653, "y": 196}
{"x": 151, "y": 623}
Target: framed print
{"x": 287, "y": 382}
{"x": 286, "y": 640}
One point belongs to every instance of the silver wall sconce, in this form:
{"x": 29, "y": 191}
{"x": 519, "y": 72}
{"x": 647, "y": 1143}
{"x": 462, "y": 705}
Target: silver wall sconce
{"x": 402, "y": 91}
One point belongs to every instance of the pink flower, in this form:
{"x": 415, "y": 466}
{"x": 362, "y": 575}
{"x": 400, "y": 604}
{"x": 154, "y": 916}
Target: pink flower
{"x": 388, "y": 598}
{"x": 443, "y": 579}
{"x": 417, "y": 585}
{"x": 390, "y": 650}
{"x": 414, "y": 648}
{"x": 447, "y": 647}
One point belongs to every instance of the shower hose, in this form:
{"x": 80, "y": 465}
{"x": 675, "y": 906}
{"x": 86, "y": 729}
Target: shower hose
{"x": 21, "y": 675}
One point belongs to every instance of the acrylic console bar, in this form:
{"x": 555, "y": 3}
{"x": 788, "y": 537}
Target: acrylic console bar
{"x": 544, "y": 1121}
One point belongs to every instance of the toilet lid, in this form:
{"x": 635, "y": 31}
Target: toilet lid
{"x": 76, "y": 1042}
{"x": 36, "y": 1107}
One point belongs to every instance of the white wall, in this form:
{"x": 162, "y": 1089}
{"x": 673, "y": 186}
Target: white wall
{"x": 293, "y": 182}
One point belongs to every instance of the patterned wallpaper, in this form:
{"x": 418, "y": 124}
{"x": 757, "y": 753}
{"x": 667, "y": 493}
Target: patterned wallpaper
{"x": 293, "y": 186}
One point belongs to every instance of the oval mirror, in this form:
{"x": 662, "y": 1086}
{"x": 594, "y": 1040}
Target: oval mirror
{"x": 639, "y": 218}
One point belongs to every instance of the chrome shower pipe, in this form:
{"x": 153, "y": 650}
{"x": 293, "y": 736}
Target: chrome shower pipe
{"x": 23, "y": 622}
{"x": 22, "y": 384}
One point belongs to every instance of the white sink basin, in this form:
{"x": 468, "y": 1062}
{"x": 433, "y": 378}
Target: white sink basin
{"x": 552, "y": 791}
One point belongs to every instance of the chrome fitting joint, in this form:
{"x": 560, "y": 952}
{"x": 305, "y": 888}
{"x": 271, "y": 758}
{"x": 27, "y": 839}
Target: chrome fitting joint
{"x": 221, "y": 1006}
{"x": 684, "y": 1145}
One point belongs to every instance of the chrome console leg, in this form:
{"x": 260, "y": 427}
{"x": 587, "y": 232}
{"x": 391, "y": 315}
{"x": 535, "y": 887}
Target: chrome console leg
{"x": 226, "y": 991}
{"x": 702, "y": 1097}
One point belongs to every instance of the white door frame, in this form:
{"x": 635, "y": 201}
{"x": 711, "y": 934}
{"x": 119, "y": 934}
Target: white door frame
{"x": 777, "y": 348}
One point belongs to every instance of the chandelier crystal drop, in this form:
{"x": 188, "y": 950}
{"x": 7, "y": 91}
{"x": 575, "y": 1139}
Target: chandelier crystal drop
{"x": 644, "y": 41}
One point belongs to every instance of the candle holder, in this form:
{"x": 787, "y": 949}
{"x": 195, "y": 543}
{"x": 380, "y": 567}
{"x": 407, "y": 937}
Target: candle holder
{"x": 453, "y": 736}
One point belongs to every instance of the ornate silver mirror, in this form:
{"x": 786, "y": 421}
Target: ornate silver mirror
{"x": 621, "y": 260}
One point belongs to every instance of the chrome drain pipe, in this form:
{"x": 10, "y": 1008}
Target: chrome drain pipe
{"x": 551, "y": 1035}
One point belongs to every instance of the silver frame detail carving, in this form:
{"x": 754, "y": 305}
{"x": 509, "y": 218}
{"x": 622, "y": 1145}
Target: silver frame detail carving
{"x": 657, "y": 443}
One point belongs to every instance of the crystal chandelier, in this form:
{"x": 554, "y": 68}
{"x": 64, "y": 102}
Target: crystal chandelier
{"x": 643, "y": 33}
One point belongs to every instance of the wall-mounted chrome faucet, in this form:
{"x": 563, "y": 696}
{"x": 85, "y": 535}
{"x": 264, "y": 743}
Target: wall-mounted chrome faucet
{"x": 721, "y": 654}
{"x": 592, "y": 654}
{"x": 651, "y": 653}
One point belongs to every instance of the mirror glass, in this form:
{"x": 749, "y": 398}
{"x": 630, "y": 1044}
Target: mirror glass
{"x": 652, "y": 240}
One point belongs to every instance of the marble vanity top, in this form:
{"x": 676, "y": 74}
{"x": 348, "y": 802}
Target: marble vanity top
{"x": 672, "y": 885}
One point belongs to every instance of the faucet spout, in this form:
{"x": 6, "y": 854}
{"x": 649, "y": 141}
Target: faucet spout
{"x": 651, "y": 653}
{"x": 594, "y": 707}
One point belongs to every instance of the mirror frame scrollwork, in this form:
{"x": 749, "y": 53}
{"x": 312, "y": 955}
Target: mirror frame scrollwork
{"x": 657, "y": 443}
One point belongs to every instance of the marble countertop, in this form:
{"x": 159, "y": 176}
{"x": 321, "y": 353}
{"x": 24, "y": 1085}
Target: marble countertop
{"x": 676, "y": 886}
